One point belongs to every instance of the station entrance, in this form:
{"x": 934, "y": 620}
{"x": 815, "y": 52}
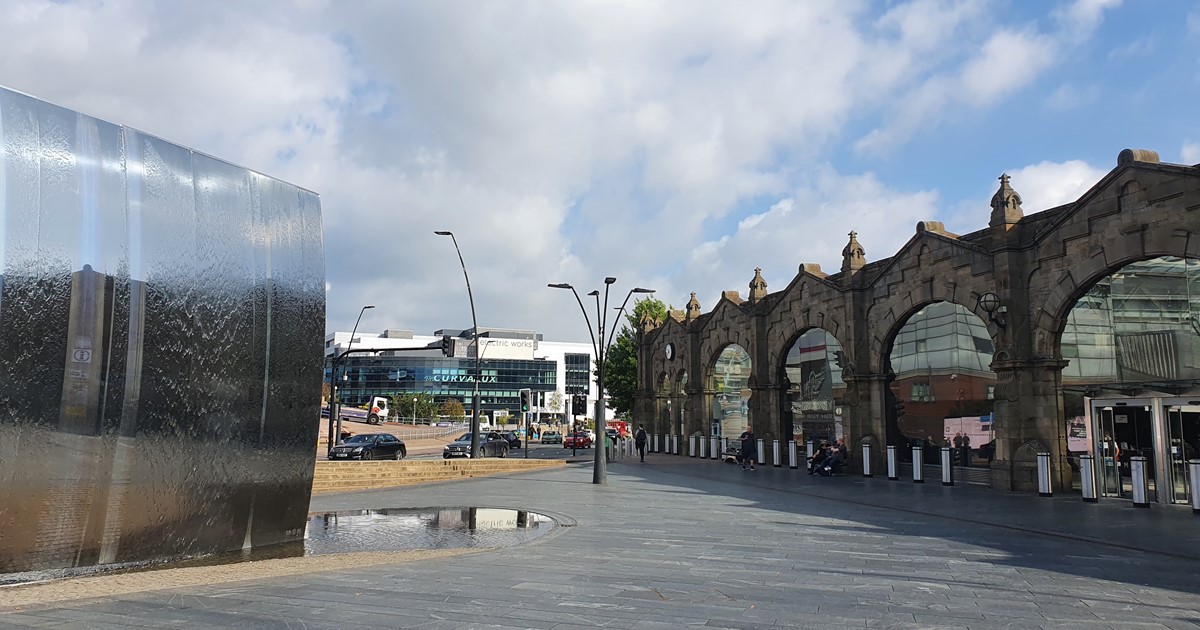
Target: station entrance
{"x": 1165, "y": 431}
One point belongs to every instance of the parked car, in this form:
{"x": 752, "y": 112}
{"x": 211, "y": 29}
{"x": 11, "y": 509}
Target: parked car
{"x": 370, "y": 446}
{"x": 514, "y": 440}
{"x": 490, "y": 445}
{"x": 551, "y": 437}
{"x": 577, "y": 440}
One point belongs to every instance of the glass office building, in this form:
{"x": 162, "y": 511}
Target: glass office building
{"x": 445, "y": 378}
{"x": 398, "y": 364}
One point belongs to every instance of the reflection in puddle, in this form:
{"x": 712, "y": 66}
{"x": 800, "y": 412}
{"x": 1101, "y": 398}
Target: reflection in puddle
{"x": 358, "y": 531}
{"x": 431, "y": 528}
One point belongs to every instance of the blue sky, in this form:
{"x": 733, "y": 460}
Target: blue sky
{"x": 675, "y": 145}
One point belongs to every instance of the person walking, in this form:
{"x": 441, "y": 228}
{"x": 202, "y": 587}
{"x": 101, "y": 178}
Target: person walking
{"x": 749, "y": 448}
{"x": 639, "y": 439}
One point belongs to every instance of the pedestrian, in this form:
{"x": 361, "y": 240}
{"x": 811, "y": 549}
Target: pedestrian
{"x": 749, "y": 448}
{"x": 639, "y": 439}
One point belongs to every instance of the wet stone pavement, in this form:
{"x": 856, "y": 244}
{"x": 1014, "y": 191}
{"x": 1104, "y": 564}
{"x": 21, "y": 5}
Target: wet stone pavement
{"x": 677, "y": 542}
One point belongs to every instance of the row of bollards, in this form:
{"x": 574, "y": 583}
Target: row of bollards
{"x": 714, "y": 447}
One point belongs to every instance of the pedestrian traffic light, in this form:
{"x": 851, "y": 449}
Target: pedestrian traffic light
{"x": 447, "y": 346}
{"x": 526, "y": 397}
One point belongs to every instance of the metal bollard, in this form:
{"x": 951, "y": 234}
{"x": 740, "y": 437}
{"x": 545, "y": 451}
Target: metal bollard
{"x": 762, "y": 453}
{"x": 661, "y": 447}
{"x": 792, "y": 454}
{"x": 1141, "y": 491}
{"x": 808, "y": 454}
{"x": 947, "y": 467}
{"x": 775, "y": 452}
{"x": 1194, "y": 476}
{"x": 714, "y": 448}
{"x": 702, "y": 448}
{"x": 918, "y": 464}
{"x": 724, "y": 446}
{"x": 1045, "y": 489}
{"x": 1087, "y": 478}
{"x": 691, "y": 446}
{"x": 866, "y": 455}
{"x": 893, "y": 469}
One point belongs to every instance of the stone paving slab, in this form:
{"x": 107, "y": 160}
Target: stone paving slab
{"x": 675, "y": 543}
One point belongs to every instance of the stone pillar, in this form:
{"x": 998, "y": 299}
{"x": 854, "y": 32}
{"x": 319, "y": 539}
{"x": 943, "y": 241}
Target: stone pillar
{"x": 764, "y": 412}
{"x": 1029, "y": 411}
{"x": 865, "y": 414}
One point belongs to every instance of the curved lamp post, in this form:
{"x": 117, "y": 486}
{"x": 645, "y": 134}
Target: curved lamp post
{"x": 333, "y": 382}
{"x": 599, "y": 463}
{"x": 475, "y": 338}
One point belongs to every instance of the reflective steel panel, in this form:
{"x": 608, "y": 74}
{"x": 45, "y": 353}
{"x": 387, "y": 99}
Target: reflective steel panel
{"x": 161, "y": 327}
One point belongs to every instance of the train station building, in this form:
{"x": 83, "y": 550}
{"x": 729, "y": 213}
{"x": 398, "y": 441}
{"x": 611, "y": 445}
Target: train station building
{"x": 1070, "y": 331}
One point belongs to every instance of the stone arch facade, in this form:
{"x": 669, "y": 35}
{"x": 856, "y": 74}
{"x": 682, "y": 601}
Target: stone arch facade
{"x": 1034, "y": 267}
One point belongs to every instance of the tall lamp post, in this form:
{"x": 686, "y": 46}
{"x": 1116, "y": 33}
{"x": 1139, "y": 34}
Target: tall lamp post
{"x": 475, "y": 338}
{"x": 414, "y": 412}
{"x": 600, "y": 346}
{"x": 336, "y": 410}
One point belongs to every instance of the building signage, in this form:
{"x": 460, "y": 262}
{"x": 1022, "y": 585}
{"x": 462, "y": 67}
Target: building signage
{"x": 460, "y": 378}
{"x": 507, "y": 348}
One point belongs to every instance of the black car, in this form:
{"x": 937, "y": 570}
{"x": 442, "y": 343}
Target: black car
{"x": 370, "y": 446}
{"x": 490, "y": 445}
{"x": 514, "y": 441}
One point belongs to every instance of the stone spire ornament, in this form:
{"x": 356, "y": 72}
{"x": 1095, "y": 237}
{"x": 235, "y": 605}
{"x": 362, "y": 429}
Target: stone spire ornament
{"x": 693, "y": 308}
{"x": 758, "y": 286}
{"x": 853, "y": 255}
{"x": 1006, "y": 205}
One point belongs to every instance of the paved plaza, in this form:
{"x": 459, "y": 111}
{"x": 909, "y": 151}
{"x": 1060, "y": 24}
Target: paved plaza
{"x": 681, "y": 542}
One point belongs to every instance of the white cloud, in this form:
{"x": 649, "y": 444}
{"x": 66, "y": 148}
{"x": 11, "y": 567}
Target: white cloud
{"x": 559, "y": 141}
{"x": 1068, "y": 96}
{"x": 1010, "y": 59}
{"x": 1190, "y": 153}
{"x": 810, "y": 225}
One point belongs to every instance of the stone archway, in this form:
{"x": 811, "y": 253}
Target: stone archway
{"x": 812, "y": 389}
{"x": 940, "y": 386}
{"x": 729, "y": 391}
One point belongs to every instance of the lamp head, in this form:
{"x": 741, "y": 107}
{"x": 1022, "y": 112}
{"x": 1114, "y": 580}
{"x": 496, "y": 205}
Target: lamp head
{"x": 368, "y": 306}
{"x": 594, "y": 292}
{"x": 443, "y": 233}
{"x": 609, "y": 280}
{"x": 559, "y": 285}
{"x": 989, "y": 302}
{"x": 641, "y": 290}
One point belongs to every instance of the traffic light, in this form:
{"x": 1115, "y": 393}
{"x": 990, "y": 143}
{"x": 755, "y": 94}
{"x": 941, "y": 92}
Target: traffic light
{"x": 579, "y": 405}
{"x": 526, "y": 397}
{"x": 447, "y": 346}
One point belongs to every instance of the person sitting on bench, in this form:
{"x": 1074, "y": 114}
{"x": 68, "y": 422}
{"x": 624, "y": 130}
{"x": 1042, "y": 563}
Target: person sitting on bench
{"x": 835, "y": 459}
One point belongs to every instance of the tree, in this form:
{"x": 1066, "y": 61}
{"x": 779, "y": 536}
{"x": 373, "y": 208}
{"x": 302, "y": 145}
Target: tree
{"x": 453, "y": 409}
{"x": 556, "y": 401}
{"x": 620, "y": 369}
{"x": 404, "y": 410}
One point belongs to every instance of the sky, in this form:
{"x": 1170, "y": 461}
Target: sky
{"x": 674, "y": 145}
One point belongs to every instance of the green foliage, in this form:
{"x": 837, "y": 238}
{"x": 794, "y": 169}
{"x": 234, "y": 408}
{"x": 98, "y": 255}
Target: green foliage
{"x": 555, "y": 404}
{"x": 453, "y": 408}
{"x": 620, "y": 369}
{"x": 402, "y": 409}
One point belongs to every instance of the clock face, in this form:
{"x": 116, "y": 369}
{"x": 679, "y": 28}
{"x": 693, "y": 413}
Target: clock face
{"x": 670, "y": 351}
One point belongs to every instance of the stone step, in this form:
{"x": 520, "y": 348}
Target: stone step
{"x": 357, "y": 475}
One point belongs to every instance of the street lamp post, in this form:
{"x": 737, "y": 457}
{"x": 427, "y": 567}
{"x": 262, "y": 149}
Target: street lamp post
{"x": 599, "y": 464}
{"x": 414, "y": 412}
{"x": 335, "y": 410}
{"x": 475, "y": 338}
